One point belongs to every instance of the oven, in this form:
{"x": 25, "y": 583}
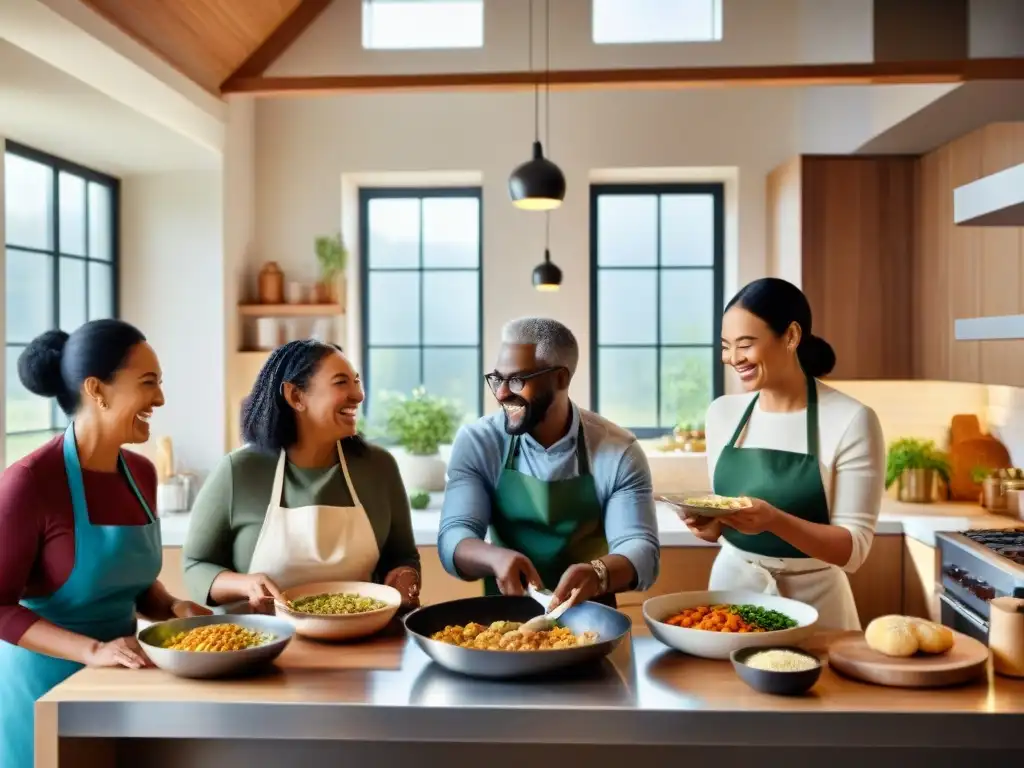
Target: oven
{"x": 973, "y": 568}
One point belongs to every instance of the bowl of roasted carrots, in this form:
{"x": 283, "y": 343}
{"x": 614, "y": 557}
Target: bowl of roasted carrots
{"x": 713, "y": 624}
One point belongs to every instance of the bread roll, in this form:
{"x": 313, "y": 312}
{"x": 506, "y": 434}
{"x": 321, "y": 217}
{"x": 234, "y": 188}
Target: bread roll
{"x": 933, "y": 638}
{"x": 903, "y": 636}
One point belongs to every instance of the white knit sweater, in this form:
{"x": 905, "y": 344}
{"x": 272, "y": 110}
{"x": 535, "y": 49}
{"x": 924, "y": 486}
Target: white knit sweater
{"x": 851, "y": 454}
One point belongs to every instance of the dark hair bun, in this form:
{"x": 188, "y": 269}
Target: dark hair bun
{"x": 816, "y": 355}
{"x": 39, "y": 364}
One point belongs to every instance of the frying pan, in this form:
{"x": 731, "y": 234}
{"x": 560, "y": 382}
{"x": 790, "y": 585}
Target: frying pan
{"x": 610, "y": 625}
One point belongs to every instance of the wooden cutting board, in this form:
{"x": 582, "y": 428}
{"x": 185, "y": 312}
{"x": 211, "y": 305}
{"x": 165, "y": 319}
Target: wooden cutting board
{"x": 965, "y": 661}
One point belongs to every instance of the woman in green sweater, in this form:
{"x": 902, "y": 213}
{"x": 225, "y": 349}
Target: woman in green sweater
{"x": 306, "y": 499}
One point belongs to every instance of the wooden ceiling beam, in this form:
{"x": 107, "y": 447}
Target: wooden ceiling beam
{"x": 788, "y": 76}
{"x": 286, "y": 33}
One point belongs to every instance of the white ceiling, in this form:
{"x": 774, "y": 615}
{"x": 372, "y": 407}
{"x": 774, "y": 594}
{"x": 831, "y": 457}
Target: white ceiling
{"x": 51, "y": 111}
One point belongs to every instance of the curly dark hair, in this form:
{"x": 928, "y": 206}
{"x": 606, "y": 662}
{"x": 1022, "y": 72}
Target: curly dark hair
{"x": 268, "y": 422}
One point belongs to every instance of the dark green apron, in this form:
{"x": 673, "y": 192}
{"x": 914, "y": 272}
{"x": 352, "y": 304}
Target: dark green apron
{"x": 555, "y": 523}
{"x": 788, "y": 481}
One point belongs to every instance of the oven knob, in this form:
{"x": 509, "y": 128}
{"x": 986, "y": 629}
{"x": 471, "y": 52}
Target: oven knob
{"x": 954, "y": 572}
{"x": 983, "y": 591}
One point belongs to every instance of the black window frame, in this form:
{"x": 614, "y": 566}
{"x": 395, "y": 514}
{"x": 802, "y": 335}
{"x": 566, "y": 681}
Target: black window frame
{"x": 59, "y": 165}
{"x": 366, "y": 196}
{"x": 717, "y": 191}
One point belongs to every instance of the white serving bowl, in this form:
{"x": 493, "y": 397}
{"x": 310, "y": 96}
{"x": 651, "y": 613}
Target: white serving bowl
{"x": 347, "y": 626}
{"x": 719, "y": 645}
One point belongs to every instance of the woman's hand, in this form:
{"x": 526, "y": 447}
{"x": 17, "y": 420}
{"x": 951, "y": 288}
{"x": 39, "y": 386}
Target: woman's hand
{"x": 260, "y": 590}
{"x": 708, "y": 529}
{"x": 407, "y": 581}
{"x": 186, "y": 609}
{"x": 122, "y": 652}
{"x": 758, "y": 518}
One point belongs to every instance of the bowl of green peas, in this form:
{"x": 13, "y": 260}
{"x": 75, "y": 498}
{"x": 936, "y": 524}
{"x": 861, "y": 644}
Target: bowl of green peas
{"x": 338, "y": 610}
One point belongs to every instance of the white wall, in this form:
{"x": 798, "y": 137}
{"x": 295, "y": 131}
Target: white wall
{"x": 304, "y": 146}
{"x": 754, "y": 32}
{"x": 173, "y": 289}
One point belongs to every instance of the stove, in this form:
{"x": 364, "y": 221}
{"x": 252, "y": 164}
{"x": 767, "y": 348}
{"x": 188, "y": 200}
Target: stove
{"x": 975, "y": 567}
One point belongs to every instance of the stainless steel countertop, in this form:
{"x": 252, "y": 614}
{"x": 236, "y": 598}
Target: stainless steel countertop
{"x": 643, "y": 693}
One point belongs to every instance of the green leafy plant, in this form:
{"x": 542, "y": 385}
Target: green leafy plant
{"x": 419, "y": 499}
{"x": 332, "y": 255}
{"x": 911, "y": 453}
{"x": 421, "y": 422}
{"x": 978, "y": 474}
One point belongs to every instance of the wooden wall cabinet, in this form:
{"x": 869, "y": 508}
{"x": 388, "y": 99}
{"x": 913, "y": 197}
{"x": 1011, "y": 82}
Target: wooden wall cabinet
{"x": 966, "y": 272}
{"x": 842, "y": 228}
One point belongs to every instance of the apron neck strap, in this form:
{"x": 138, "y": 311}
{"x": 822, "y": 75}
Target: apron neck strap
{"x": 348, "y": 477}
{"x": 812, "y": 418}
{"x": 582, "y": 459}
{"x": 76, "y": 481}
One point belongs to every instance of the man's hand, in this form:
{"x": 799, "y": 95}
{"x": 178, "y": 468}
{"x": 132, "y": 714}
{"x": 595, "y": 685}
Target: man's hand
{"x": 581, "y": 576}
{"x": 511, "y": 569}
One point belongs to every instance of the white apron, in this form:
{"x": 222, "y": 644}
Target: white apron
{"x": 315, "y": 543}
{"x": 815, "y": 582}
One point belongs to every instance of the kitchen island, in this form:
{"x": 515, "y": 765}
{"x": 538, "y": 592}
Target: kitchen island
{"x": 383, "y": 703}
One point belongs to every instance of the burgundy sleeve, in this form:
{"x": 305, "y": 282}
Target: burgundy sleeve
{"x": 19, "y": 549}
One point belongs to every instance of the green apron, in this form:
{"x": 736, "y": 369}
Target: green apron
{"x": 786, "y": 480}
{"x": 555, "y": 523}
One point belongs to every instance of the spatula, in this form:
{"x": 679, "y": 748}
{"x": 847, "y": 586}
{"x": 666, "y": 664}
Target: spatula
{"x": 547, "y": 620}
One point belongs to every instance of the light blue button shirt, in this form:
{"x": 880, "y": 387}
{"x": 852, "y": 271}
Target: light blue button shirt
{"x": 619, "y": 466}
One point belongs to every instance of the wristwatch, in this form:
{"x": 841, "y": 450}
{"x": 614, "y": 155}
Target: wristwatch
{"x": 602, "y": 575}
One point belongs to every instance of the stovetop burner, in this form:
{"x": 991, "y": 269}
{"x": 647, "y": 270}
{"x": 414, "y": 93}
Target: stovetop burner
{"x": 1008, "y": 543}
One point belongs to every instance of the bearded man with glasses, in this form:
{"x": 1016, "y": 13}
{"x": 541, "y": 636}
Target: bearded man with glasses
{"x": 565, "y": 494}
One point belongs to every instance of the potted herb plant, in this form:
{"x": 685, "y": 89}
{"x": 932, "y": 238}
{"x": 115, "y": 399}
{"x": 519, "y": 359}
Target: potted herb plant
{"x": 332, "y": 256}
{"x": 914, "y": 465}
{"x": 419, "y": 425}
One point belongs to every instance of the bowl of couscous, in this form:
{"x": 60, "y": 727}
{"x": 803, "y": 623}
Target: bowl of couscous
{"x": 215, "y": 646}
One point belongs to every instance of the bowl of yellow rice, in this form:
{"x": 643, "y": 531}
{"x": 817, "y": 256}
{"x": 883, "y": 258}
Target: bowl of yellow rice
{"x": 215, "y": 646}
{"x": 338, "y": 610}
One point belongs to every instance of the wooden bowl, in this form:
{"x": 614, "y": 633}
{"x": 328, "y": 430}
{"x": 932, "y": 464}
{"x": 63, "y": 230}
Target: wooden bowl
{"x": 343, "y": 626}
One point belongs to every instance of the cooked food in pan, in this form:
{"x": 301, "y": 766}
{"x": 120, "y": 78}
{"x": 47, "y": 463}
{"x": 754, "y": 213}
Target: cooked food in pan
{"x": 336, "y": 604}
{"x": 713, "y": 501}
{"x": 218, "y": 637}
{"x": 505, "y": 636}
{"x": 732, "y": 618}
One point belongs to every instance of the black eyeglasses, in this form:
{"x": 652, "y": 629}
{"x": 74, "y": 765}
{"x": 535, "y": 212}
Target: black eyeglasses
{"x": 516, "y": 381}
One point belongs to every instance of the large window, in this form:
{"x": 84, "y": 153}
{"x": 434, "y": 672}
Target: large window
{"x": 656, "y": 21}
{"x": 656, "y": 303}
{"x": 423, "y": 24}
{"x": 421, "y": 289}
{"x": 61, "y": 270}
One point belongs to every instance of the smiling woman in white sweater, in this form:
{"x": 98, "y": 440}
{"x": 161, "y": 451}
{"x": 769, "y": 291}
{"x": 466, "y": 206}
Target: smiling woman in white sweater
{"x": 811, "y": 459}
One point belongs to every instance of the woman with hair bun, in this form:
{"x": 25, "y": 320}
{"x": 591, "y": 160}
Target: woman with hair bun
{"x": 811, "y": 459}
{"x": 80, "y": 548}
{"x": 305, "y": 499}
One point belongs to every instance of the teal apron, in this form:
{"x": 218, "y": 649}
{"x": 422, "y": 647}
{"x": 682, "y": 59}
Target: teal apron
{"x": 113, "y": 566}
{"x": 555, "y": 523}
{"x": 788, "y": 481}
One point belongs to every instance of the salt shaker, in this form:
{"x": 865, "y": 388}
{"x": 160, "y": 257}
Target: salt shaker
{"x": 1006, "y": 635}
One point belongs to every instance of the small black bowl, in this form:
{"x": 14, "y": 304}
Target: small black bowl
{"x": 776, "y": 683}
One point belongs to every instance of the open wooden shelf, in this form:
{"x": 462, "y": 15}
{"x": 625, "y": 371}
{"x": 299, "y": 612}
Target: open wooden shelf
{"x": 290, "y": 310}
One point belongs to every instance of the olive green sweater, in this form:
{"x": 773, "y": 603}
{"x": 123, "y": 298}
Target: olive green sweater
{"x": 232, "y": 504}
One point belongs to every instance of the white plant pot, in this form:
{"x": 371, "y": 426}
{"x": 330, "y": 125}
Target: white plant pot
{"x": 421, "y": 473}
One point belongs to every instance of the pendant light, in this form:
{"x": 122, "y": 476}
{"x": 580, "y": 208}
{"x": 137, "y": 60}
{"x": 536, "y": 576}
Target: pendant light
{"x": 538, "y": 184}
{"x": 547, "y": 276}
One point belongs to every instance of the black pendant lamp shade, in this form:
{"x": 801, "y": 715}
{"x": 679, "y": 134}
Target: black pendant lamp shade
{"x": 538, "y": 184}
{"x": 546, "y": 276}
